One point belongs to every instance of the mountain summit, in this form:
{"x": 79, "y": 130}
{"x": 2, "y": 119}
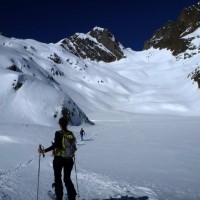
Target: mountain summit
{"x": 171, "y": 35}
{"x": 98, "y": 44}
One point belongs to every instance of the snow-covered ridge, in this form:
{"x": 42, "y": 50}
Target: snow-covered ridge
{"x": 151, "y": 81}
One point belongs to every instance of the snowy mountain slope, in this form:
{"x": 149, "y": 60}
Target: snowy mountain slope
{"x": 33, "y": 68}
{"x": 130, "y": 151}
{"x": 151, "y": 81}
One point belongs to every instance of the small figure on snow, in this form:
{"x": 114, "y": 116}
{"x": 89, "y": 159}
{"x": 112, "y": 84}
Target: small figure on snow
{"x": 82, "y": 132}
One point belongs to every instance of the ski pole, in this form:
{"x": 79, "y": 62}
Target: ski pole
{"x": 76, "y": 177}
{"x": 38, "y": 182}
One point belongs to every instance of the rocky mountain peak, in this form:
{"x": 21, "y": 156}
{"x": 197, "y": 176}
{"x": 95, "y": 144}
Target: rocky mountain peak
{"x": 171, "y": 35}
{"x": 190, "y": 18}
{"x": 98, "y": 44}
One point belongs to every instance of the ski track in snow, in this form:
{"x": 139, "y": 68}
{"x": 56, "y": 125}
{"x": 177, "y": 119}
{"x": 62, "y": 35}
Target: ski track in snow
{"x": 108, "y": 188}
{"x": 7, "y": 176}
{"x": 13, "y": 181}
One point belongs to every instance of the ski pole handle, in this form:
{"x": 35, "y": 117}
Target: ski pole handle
{"x": 41, "y": 147}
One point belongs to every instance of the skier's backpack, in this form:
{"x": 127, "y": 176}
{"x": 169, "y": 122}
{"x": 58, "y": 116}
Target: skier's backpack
{"x": 68, "y": 144}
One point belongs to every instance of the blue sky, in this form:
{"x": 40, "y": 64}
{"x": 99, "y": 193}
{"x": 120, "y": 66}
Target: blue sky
{"x": 132, "y": 22}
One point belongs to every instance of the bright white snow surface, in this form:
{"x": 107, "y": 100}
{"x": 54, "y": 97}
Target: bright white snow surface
{"x": 145, "y": 141}
{"x": 136, "y": 155}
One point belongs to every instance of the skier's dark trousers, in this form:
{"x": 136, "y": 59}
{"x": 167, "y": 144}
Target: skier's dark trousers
{"x": 62, "y": 163}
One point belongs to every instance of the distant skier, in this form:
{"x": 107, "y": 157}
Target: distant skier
{"x": 64, "y": 147}
{"x": 82, "y": 132}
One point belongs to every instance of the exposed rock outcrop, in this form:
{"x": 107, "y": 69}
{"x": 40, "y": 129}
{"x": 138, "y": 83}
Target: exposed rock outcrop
{"x": 171, "y": 35}
{"x": 99, "y": 44}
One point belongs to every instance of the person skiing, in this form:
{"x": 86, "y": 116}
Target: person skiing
{"x": 82, "y": 132}
{"x": 62, "y": 162}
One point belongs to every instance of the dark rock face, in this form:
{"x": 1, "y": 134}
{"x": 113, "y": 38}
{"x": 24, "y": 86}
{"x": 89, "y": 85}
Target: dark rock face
{"x": 108, "y": 40}
{"x": 171, "y": 35}
{"x": 99, "y": 44}
{"x": 195, "y": 76}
